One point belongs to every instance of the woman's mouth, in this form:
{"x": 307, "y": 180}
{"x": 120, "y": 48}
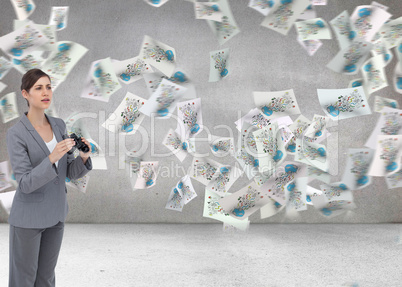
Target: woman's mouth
{"x": 46, "y": 100}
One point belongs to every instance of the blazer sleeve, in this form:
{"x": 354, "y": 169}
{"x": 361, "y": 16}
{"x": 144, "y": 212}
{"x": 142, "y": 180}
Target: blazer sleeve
{"x": 29, "y": 178}
{"x": 75, "y": 166}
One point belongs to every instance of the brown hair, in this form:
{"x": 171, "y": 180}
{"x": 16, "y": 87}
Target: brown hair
{"x": 30, "y": 78}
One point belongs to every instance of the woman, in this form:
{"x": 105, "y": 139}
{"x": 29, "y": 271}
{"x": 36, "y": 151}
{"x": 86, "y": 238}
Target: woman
{"x": 40, "y": 162}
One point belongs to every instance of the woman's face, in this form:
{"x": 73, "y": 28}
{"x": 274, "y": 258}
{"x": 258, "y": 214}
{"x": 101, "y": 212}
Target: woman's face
{"x": 40, "y": 94}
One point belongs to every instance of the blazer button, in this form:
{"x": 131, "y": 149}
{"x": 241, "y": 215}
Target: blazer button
{"x": 56, "y": 181}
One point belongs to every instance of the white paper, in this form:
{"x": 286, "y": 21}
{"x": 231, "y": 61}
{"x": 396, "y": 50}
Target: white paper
{"x": 313, "y": 29}
{"x": 126, "y": 118}
{"x": 8, "y": 107}
{"x": 284, "y": 14}
{"x": 59, "y": 17}
{"x": 164, "y": 100}
{"x": 159, "y": 55}
{"x": 218, "y": 65}
{"x": 276, "y": 104}
{"x": 341, "y": 104}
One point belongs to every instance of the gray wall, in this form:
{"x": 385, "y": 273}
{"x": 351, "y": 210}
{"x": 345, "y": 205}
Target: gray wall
{"x": 260, "y": 60}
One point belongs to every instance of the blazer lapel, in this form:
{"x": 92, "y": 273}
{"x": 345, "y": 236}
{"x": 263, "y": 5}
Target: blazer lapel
{"x": 35, "y": 134}
{"x": 55, "y": 128}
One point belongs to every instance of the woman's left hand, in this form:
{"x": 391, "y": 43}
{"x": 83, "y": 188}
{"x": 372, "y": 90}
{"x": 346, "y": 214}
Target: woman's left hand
{"x": 85, "y": 155}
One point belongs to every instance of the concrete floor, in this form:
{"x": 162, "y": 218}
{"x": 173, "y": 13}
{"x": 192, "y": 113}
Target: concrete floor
{"x": 203, "y": 255}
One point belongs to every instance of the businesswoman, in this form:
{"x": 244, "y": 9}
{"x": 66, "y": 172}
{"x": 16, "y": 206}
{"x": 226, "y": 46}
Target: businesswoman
{"x": 39, "y": 159}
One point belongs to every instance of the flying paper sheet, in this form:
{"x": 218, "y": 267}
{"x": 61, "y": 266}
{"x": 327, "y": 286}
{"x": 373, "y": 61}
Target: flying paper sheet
{"x": 316, "y": 173}
{"x": 147, "y": 175}
{"x": 319, "y": 2}
{"x": 387, "y": 155}
{"x": 310, "y": 193}
{"x": 181, "y": 194}
{"x": 204, "y": 169}
{"x": 394, "y": 179}
{"x": 175, "y": 200}
{"x": 8, "y": 107}
{"x": 391, "y": 32}
{"x": 349, "y": 60}
{"x": 213, "y": 210}
{"x": 23, "y": 8}
{"x": 397, "y": 79}
{"x": 221, "y": 146}
{"x": 127, "y": 117}
{"x": 30, "y": 61}
{"x": 373, "y": 74}
{"x": 309, "y": 13}
{"x": 380, "y": 49}
{"x": 357, "y": 166}
{"x": 58, "y": 17}
{"x": 101, "y": 81}
{"x": 332, "y": 208}
{"x": 207, "y": 11}
{"x": 389, "y": 123}
{"x": 159, "y": 55}
{"x": 189, "y": 122}
{"x": 277, "y": 104}
{"x": 380, "y": 103}
{"x": 336, "y": 191}
{"x": 131, "y": 70}
{"x": 311, "y": 46}
{"x": 48, "y": 30}
{"x": 295, "y": 192}
{"x": 132, "y": 164}
{"x": 226, "y": 28}
{"x": 60, "y": 63}
{"x": 164, "y": 100}
{"x": 379, "y": 5}
{"x": 298, "y": 128}
{"x": 4, "y": 178}
{"x": 186, "y": 188}
{"x": 366, "y": 20}
{"x": 247, "y": 151}
{"x": 275, "y": 186}
{"x": 80, "y": 183}
{"x": 341, "y": 104}
{"x": 270, "y": 148}
{"x": 224, "y": 179}
{"x": 6, "y": 200}
{"x": 262, "y": 6}
{"x": 270, "y": 209}
{"x": 5, "y": 67}
{"x": 180, "y": 77}
{"x": 23, "y": 41}
{"x": 316, "y": 131}
{"x": 312, "y": 154}
{"x": 283, "y": 14}
{"x": 244, "y": 202}
{"x": 218, "y": 65}
{"x": 343, "y": 30}
{"x": 254, "y": 117}
{"x": 156, "y": 3}
{"x": 313, "y": 29}
{"x": 180, "y": 148}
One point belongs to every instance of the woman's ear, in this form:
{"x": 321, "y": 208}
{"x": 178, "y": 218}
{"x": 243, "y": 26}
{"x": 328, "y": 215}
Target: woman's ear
{"x": 25, "y": 94}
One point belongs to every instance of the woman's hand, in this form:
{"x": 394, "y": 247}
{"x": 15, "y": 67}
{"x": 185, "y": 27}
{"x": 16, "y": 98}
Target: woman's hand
{"x": 61, "y": 149}
{"x": 85, "y": 155}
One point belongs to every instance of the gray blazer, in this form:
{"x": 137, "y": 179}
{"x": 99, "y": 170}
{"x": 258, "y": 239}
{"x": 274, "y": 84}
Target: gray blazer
{"x": 40, "y": 200}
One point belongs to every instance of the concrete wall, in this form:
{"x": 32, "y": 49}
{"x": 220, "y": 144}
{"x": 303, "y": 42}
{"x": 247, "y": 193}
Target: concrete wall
{"x": 260, "y": 60}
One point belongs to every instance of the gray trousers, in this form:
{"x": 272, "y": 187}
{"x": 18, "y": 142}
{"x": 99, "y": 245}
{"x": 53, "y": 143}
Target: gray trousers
{"x": 33, "y": 255}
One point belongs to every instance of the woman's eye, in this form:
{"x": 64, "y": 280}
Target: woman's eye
{"x": 49, "y": 88}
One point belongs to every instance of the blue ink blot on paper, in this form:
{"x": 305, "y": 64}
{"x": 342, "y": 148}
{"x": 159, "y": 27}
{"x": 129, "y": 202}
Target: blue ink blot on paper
{"x": 169, "y": 55}
{"x": 356, "y": 84}
{"x": 238, "y": 212}
{"x": 267, "y": 111}
{"x": 278, "y": 156}
{"x": 127, "y": 128}
{"x": 392, "y": 166}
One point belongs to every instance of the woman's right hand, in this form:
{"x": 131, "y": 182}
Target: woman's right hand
{"x": 61, "y": 149}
